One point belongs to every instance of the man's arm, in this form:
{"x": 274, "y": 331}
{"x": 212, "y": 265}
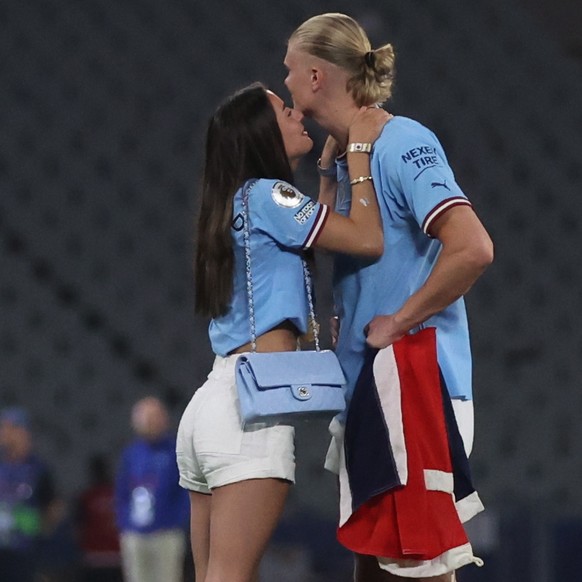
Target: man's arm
{"x": 466, "y": 252}
{"x": 327, "y": 173}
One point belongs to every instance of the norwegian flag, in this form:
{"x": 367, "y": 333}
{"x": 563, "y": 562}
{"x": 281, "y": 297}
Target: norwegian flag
{"x": 405, "y": 484}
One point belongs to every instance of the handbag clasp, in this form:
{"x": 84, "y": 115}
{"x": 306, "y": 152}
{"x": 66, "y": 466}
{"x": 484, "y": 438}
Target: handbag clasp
{"x": 301, "y": 392}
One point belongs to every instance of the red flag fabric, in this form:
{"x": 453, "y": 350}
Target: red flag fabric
{"x": 400, "y": 506}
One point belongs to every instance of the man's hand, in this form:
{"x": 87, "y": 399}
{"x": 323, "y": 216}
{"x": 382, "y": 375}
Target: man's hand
{"x": 329, "y": 153}
{"x": 383, "y": 331}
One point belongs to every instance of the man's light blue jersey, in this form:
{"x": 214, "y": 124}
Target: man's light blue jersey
{"x": 283, "y": 223}
{"x": 415, "y": 185}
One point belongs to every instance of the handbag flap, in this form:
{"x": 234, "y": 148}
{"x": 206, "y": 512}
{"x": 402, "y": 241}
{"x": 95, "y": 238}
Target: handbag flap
{"x": 294, "y": 368}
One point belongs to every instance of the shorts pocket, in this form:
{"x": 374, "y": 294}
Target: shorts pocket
{"x": 217, "y": 425}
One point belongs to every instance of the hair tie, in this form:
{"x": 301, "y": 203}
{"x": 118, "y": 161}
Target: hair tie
{"x": 370, "y": 59}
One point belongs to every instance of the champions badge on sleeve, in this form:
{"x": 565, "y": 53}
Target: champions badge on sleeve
{"x": 286, "y": 195}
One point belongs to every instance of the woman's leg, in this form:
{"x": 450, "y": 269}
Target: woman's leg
{"x": 200, "y": 532}
{"x": 242, "y": 519}
{"x": 368, "y": 570}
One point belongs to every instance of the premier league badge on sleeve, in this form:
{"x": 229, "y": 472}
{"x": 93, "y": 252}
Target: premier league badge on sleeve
{"x": 286, "y": 195}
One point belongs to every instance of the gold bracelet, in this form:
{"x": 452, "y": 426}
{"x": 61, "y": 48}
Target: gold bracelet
{"x": 359, "y": 180}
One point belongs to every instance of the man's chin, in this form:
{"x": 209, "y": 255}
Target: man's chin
{"x": 298, "y": 106}
{"x": 304, "y": 110}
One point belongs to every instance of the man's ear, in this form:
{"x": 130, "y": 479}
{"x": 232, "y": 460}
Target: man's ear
{"x": 316, "y": 79}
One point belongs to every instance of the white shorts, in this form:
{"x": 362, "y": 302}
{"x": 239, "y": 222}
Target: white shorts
{"x": 213, "y": 450}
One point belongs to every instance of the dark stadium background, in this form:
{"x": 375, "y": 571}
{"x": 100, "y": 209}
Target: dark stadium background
{"x": 103, "y": 106}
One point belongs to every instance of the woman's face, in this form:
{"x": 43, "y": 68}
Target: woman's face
{"x": 297, "y": 141}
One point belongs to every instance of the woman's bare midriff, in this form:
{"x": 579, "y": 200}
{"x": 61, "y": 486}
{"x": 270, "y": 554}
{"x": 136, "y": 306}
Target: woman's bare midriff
{"x": 282, "y": 338}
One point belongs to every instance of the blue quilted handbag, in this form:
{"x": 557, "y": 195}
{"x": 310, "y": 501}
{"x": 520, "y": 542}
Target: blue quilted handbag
{"x": 286, "y": 387}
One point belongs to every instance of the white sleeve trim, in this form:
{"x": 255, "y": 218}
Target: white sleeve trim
{"x": 318, "y": 225}
{"x": 440, "y": 209}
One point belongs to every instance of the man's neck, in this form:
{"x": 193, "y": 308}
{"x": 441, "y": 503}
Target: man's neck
{"x": 335, "y": 118}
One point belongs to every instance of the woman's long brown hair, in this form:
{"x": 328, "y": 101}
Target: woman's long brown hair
{"x": 243, "y": 141}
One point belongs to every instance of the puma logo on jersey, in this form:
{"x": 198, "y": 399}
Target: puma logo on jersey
{"x": 443, "y": 184}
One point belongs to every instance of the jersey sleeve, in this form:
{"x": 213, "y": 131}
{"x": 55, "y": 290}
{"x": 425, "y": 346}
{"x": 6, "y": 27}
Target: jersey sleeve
{"x": 427, "y": 185}
{"x": 285, "y": 214}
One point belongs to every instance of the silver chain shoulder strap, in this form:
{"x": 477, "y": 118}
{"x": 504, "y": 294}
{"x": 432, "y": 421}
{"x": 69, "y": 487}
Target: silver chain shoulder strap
{"x": 306, "y": 275}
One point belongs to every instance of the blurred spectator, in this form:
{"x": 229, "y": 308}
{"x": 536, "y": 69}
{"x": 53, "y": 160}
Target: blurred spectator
{"x": 26, "y": 497}
{"x": 97, "y": 532}
{"x": 57, "y": 557}
{"x": 152, "y": 510}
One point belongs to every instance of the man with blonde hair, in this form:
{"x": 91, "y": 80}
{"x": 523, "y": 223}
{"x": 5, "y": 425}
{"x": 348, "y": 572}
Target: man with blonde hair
{"x": 435, "y": 248}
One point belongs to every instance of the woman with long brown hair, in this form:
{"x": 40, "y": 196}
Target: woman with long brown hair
{"x": 238, "y": 479}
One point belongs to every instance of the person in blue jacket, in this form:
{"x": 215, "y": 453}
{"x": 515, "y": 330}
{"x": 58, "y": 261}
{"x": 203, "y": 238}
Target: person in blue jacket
{"x": 151, "y": 509}
{"x": 238, "y": 479}
{"x": 27, "y": 493}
